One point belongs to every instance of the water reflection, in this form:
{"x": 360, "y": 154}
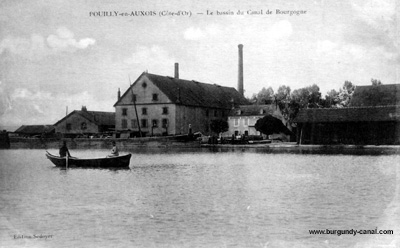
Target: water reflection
{"x": 198, "y": 198}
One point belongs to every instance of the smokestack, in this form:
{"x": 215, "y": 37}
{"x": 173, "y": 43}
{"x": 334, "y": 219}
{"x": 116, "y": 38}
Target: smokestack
{"x": 240, "y": 70}
{"x": 176, "y": 70}
{"x": 119, "y": 94}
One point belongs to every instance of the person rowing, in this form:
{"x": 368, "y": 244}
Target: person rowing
{"x": 64, "y": 150}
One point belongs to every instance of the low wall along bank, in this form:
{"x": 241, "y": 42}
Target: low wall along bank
{"x": 83, "y": 143}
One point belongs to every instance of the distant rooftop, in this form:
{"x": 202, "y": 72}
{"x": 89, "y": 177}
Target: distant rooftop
{"x": 253, "y": 110}
{"x": 376, "y": 95}
{"x": 351, "y": 114}
{"x": 35, "y": 129}
{"x": 97, "y": 117}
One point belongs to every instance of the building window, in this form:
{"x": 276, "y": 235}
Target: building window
{"x": 69, "y": 126}
{"x": 83, "y": 126}
{"x": 134, "y": 98}
{"x": 144, "y": 111}
{"x": 164, "y": 123}
{"x": 124, "y": 112}
{"x": 124, "y": 123}
{"x": 215, "y": 113}
{"x": 207, "y": 112}
{"x": 154, "y": 123}
{"x": 155, "y": 97}
{"x": 144, "y": 85}
{"x": 165, "y": 110}
{"x": 236, "y": 122}
{"x": 134, "y": 123}
{"x": 144, "y": 123}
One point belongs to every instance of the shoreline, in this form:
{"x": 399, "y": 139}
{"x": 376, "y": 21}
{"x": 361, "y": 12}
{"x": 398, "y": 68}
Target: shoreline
{"x": 294, "y": 148}
{"x": 167, "y": 144}
{"x": 311, "y": 146}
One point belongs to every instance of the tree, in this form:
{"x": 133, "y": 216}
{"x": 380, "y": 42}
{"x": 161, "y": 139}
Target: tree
{"x": 376, "y": 82}
{"x": 265, "y": 96}
{"x": 269, "y": 125}
{"x": 307, "y": 97}
{"x": 283, "y": 93}
{"x": 345, "y": 94}
{"x": 331, "y": 99}
{"x": 283, "y": 100}
{"x": 219, "y": 126}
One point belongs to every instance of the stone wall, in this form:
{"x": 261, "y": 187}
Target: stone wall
{"x": 123, "y": 144}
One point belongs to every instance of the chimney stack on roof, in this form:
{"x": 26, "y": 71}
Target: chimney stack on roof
{"x": 119, "y": 94}
{"x": 176, "y": 71}
{"x": 240, "y": 70}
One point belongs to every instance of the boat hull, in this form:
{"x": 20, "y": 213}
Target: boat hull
{"x": 108, "y": 162}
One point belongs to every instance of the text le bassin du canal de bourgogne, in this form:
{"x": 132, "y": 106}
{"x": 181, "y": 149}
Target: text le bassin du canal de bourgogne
{"x": 189, "y": 13}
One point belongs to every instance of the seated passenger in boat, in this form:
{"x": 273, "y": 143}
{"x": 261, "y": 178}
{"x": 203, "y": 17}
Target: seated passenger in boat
{"x": 114, "y": 150}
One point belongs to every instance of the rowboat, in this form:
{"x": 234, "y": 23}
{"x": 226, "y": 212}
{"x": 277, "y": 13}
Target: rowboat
{"x": 107, "y": 162}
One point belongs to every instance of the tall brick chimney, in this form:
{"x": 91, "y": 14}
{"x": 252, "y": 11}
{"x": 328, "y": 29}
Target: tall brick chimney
{"x": 176, "y": 70}
{"x": 119, "y": 94}
{"x": 240, "y": 70}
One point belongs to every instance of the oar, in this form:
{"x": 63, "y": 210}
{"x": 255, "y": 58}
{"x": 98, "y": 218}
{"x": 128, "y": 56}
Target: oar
{"x": 66, "y": 161}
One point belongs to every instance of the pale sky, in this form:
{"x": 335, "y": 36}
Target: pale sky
{"x": 54, "y": 54}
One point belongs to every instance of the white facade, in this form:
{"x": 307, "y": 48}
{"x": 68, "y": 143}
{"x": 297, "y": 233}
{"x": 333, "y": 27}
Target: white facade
{"x": 243, "y": 125}
{"x": 242, "y": 120}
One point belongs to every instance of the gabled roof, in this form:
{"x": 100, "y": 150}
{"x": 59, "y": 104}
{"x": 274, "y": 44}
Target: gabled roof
{"x": 35, "y": 129}
{"x": 97, "y": 117}
{"x": 253, "y": 110}
{"x": 376, "y": 95}
{"x": 193, "y": 93}
{"x": 352, "y": 114}
{"x": 100, "y": 117}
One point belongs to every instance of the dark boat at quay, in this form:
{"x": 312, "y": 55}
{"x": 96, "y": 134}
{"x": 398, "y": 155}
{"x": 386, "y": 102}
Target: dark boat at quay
{"x": 121, "y": 161}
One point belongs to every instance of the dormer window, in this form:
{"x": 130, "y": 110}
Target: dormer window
{"x": 124, "y": 112}
{"x": 155, "y": 97}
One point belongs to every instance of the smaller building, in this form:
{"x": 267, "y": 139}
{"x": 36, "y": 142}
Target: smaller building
{"x": 85, "y": 123}
{"x": 242, "y": 119}
{"x": 372, "y": 118}
{"x": 4, "y": 140}
{"x": 357, "y": 125}
{"x": 35, "y": 131}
